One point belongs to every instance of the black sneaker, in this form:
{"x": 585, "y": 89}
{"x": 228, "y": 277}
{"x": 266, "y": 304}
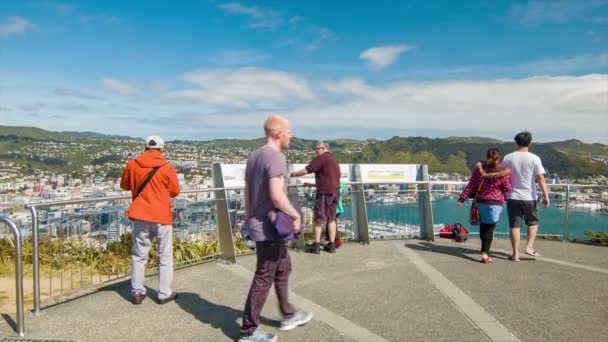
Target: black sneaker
{"x": 171, "y": 298}
{"x": 330, "y": 247}
{"x": 314, "y": 248}
{"x": 137, "y": 298}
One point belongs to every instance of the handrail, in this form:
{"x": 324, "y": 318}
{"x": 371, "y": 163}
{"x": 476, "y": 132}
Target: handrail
{"x": 18, "y": 275}
{"x": 34, "y": 206}
{"x": 195, "y": 191}
{"x": 117, "y": 198}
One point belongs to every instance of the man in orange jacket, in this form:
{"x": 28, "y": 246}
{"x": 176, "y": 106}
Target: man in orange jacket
{"x": 152, "y": 182}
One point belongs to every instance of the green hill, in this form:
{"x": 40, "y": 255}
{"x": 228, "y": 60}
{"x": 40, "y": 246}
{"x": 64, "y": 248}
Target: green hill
{"x": 570, "y": 158}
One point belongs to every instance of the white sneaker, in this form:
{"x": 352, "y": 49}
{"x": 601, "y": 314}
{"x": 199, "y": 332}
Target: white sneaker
{"x": 299, "y": 318}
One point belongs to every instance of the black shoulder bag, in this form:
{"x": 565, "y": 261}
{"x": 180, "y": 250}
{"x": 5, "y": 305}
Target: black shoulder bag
{"x": 146, "y": 181}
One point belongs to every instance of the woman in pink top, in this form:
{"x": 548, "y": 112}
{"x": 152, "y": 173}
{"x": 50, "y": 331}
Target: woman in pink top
{"x": 491, "y": 197}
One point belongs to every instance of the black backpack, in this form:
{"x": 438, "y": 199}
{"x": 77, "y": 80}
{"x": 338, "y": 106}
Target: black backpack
{"x": 459, "y": 233}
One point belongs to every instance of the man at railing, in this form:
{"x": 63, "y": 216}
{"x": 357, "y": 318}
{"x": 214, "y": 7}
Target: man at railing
{"x": 327, "y": 181}
{"x": 266, "y": 191}
{"x": 526, "y": 169}
{"x": 152, "y": 182}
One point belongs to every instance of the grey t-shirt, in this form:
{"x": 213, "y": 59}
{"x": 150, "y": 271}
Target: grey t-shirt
{"x": 263, "y": 164}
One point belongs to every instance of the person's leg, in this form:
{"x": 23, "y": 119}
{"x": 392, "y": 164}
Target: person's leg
{"x": 267, "y": 261}
{"x": 318, "y": 229}
{"x": 319, "y": 218}
{"x": 331, "y": 203}
{"x": 165, "y": 266}
{"x": 492, "y": 219}
{"x": 291, "y": 318}
{"x": 281, "y": 282}
{"x": 483, "y": 236}
{"x": 515, "y": 238}
{"x": 532, "y": 218}
{"x": 139, "y": 255}
{"x": 490, "y": 237}
{"x": 331, "y": 228}
{"x": 531, "y": 237}
{"x": 338, "y": 240}
{"x": 514, "y": 212}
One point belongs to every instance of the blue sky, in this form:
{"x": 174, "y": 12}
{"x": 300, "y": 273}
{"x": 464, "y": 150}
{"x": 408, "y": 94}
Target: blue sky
{"x": 337, "y": 69}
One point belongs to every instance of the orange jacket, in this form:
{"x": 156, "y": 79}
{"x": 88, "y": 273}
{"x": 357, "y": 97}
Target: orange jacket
{"x": 154, "y": 203}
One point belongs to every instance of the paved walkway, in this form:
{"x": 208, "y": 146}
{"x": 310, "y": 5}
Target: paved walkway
{"x": 389, "y": 291}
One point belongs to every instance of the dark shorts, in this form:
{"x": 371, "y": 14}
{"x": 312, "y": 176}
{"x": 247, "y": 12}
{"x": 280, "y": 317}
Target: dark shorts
{"x": 526, "y": 209}
{"x": 325, "y": 207}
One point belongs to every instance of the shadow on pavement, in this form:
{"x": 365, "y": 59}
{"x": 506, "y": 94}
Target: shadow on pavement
{"x": 458, "y": 251}
{"x": 9, "y": 320}
{"x": 216, "y": 315}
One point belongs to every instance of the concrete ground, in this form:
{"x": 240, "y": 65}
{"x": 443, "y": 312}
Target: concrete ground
{"x": 403, "y": 290}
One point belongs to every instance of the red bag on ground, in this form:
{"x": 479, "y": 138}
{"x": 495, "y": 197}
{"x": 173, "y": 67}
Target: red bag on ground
{"x": 446, "y": 232}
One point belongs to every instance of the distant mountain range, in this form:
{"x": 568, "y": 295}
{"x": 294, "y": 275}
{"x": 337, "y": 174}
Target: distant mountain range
{"x": 569, "y": 158}
{"x": 34, "y": 133}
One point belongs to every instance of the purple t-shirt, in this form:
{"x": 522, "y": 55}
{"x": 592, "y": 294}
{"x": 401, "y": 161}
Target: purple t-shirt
{"x": 263, "y": 164}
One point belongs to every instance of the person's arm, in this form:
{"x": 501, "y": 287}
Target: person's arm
{"x": 543, "y": 187}
{"x": 173, "y": 183}
{"x": 471, "y": 186}
{"x": 315, "y": 165}
{"x": 500, "y": 173}
{"x": 281, "y": 201}
{"x": 505, "y": 184}
{"x": 299, "y": 173}
{"x": 125, "y": 182}
{"x": 247, "y": 201}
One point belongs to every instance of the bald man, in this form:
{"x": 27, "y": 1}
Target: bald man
{"x": 265, "y": 191}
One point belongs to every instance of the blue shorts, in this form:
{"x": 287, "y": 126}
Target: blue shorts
{"x": 489, "y": 213}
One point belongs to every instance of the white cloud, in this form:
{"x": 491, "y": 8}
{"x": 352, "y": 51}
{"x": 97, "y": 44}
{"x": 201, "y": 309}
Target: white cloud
{"x": 242, "y": 88}
{"x": 600, "y": 20}
{"x": 382, "y": 56}
{"x": 118, "y": 87}
{"x": 546, "y": 105}
{"x": 103, "y": 19}
{"x": 552, "y": 11}
{"x": 159, "y": 85}
{"x": 14, "y": 25}
{"x": 261, "y": 17}
{"x": 542, "y": 67}
{"x": 238, "y": 57}
{"x": 305, "y": 36}
{"x": 59, "y": 8}
{"x": 75, "y": 94}
{"x": 295, "y": 19}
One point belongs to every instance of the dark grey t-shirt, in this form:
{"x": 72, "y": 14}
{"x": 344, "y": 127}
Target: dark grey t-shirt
{"x": 263, "y": 164}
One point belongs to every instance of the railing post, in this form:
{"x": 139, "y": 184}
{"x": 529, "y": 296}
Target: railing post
{"x": 425, "y": 206}
{"x": 224, "y": 228}
{"x": 358, "y": 205}
{"x": 35, "y": 260}
{"x": 566, "y": 213}
{"x": 18, "y": 275}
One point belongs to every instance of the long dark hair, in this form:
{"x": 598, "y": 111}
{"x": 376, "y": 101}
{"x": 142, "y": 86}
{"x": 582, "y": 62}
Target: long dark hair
{"x": 493, "y": 159}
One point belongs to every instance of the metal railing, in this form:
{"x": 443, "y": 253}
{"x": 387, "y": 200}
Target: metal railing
{"x": 79, "y": 254}
{"x": 378, "y": 210}
{"x": 20, "y": 331}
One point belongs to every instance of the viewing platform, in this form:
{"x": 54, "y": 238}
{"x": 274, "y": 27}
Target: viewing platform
{"x": 390, "y": 290}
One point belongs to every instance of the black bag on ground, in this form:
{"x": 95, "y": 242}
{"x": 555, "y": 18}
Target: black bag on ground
{"x": 460, "y": 233}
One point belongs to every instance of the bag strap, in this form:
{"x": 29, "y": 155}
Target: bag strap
{"x": 147, "y": 180}
{"x": 478, "y": 188}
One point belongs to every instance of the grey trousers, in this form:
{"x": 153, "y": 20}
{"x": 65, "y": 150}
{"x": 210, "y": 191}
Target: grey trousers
{"x": 143, "y": 233}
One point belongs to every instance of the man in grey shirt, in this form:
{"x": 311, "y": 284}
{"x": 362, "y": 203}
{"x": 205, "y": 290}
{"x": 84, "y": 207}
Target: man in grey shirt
{"x": 265, "y": 191}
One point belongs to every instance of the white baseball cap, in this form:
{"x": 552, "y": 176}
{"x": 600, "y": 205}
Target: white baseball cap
{"x": 154, "y": 141}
